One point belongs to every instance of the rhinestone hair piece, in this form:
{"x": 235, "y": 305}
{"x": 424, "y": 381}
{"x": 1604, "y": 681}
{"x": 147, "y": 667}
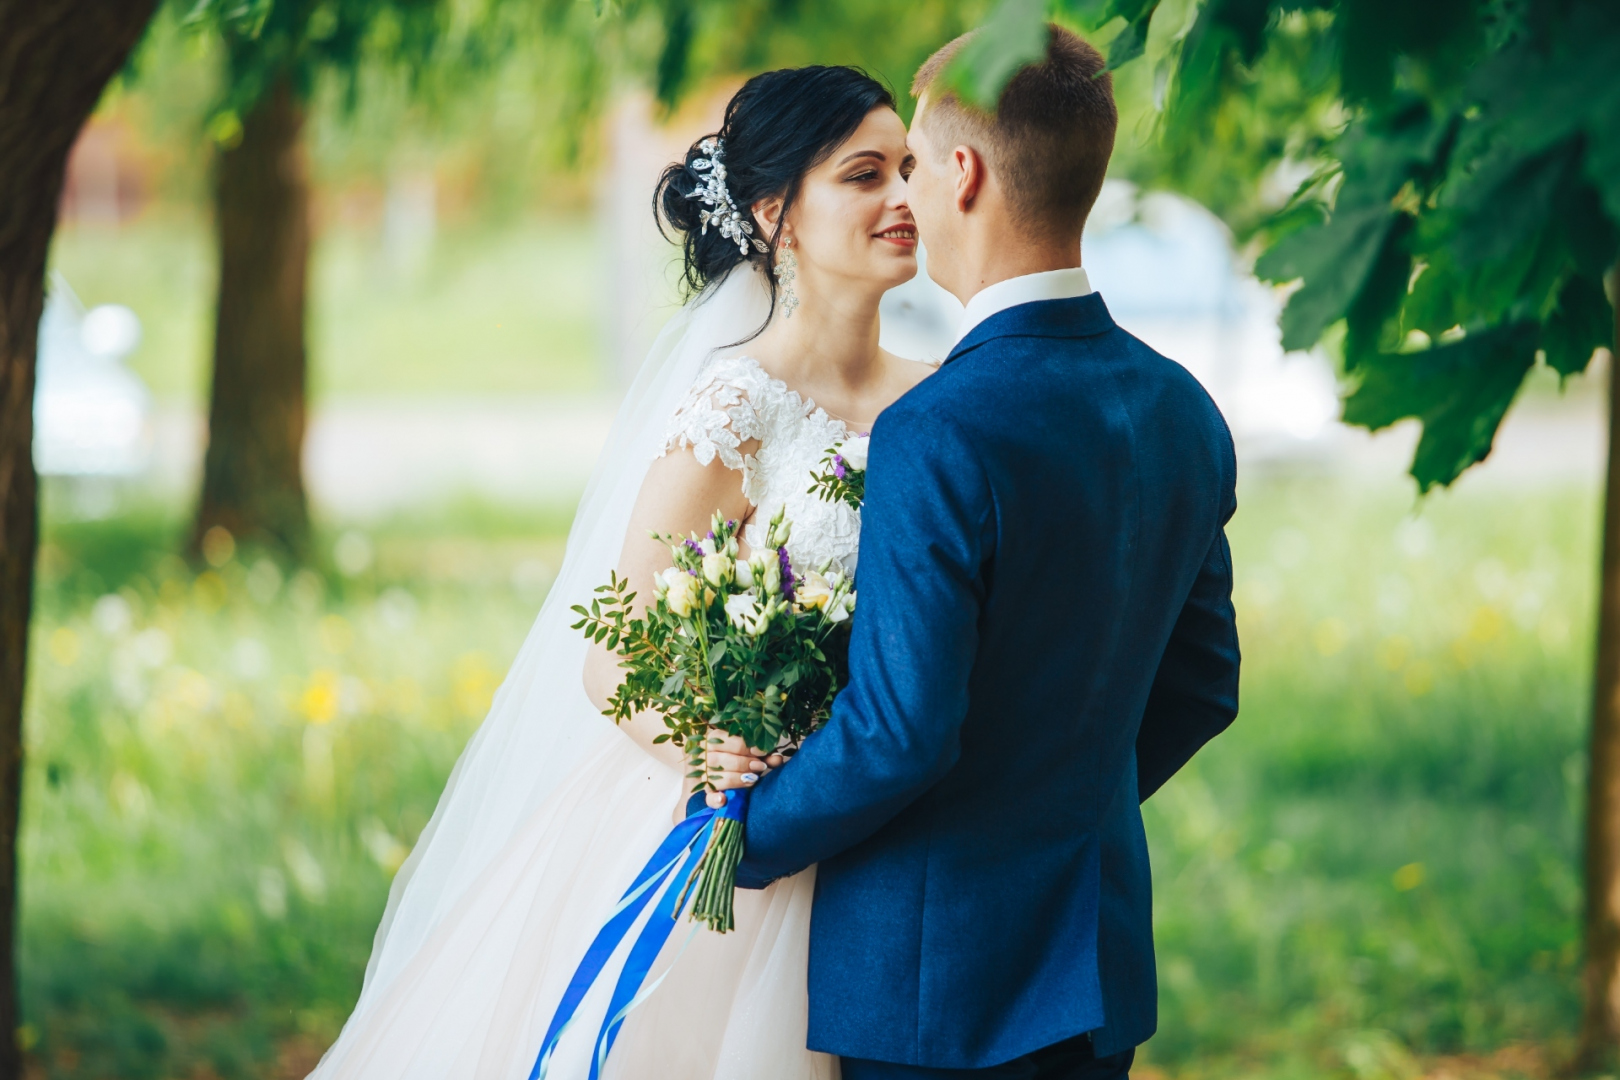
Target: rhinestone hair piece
{"x": 722, "y": 212}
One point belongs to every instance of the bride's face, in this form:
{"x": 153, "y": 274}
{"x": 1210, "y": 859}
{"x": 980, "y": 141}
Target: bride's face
{"x": 851, "y": 219}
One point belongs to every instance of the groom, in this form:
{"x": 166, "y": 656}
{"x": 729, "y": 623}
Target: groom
{"x": 1045, "y": 634}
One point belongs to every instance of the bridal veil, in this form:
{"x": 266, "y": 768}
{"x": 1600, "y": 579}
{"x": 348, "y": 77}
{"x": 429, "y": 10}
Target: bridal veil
{"x": 541, "y": 725}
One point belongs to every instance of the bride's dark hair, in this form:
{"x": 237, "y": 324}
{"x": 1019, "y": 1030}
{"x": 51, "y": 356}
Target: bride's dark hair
{"x": 777, "y": 128}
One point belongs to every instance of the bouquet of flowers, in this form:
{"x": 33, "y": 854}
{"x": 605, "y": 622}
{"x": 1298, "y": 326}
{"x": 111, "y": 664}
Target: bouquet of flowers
{"x": 843, "y": 473}
{"x": 746, "y": 647}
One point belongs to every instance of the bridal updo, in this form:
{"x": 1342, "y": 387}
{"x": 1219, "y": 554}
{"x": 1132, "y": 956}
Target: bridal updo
{"x": 777, "y": 128}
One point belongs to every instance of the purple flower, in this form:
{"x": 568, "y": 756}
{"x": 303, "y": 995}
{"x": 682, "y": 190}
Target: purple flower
{"x": 787, "y": 574}
{"x": 838, "y": 466}
{"x": 693, "y": 544}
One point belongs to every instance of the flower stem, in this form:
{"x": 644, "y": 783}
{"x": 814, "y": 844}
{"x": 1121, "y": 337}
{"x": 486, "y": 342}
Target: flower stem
{"x": 715, "y": 878}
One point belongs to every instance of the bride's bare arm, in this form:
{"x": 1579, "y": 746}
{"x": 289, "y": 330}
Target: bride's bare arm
{"x": 678, "y": 497}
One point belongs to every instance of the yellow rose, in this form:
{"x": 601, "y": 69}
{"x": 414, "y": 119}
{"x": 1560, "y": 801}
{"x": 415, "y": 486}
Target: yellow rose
{"x": 684, "y": 594}
{"x": 814, "y": 591}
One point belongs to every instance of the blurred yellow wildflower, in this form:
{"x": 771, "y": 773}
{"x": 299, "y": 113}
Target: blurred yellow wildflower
{"x": 63, "y": 646}
{"x": 320, "y": 700}
{"x": 1485, "y": 625}
{"x": 472, "y": 685}
{"x": 1408, "y": 877}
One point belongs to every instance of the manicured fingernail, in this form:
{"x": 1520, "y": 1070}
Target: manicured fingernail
{"x": 749, "y": 778}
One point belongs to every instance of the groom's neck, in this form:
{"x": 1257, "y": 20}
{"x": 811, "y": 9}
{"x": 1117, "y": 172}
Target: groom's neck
{"x": 996, "y": 255}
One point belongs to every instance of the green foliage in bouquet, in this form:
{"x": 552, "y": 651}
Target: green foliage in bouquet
{"x": 843, "y": 473}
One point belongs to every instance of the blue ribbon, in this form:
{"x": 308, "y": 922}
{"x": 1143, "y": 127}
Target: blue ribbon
{"x": 673, "y": 863}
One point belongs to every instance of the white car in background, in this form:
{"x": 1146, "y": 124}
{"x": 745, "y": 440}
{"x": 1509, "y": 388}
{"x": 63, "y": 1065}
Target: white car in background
{"x": 91, "y": 413}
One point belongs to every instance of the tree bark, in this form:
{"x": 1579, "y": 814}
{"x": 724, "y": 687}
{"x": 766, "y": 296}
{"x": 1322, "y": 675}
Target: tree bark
{"x": 1600, "y": 1020}
{"x": 253, "y": 478}
{"x": 55, "y": 60}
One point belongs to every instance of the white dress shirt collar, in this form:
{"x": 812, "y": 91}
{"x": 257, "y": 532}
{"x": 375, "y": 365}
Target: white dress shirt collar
{"x": 1047, "y": 285}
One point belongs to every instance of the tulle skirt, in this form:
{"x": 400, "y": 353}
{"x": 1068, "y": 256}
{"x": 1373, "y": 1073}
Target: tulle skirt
{"x": 477, "y": 998}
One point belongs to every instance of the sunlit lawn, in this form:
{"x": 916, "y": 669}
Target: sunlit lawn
{"x": 506, "y": 308}
{"x": 1377, "y": 862}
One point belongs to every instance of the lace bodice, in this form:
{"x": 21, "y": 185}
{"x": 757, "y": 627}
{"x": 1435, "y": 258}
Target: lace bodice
{"x": 734, "y": 401}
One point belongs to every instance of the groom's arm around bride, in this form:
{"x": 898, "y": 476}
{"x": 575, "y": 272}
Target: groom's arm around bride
{"x": 1045, "y": 634}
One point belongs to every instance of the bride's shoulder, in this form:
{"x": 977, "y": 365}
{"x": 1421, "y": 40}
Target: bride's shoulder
{"x": 733, "y": 378}
{"x": 719, "y": 415}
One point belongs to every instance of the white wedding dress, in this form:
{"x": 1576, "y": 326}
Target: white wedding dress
{"x": 481, "y": 938}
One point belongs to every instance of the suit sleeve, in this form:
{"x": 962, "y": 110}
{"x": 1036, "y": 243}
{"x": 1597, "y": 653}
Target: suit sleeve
{"x": 1195, "y": 692}
{"x": 927, "y": 530}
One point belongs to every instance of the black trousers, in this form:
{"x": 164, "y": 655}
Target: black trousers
{"x": 1071, "y": 1059}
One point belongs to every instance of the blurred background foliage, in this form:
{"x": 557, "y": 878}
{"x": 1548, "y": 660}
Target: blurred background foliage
{"x": 1374, "y": 875}
{"x": 1377, "y": 865}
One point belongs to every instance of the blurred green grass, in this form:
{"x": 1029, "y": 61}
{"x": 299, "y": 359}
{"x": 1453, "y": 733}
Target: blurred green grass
{"x": 508, "y": 308}
{"x": 1375, "y": 865}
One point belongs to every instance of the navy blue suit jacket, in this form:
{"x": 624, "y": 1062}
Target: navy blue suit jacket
{"x": 1045, "y": 634}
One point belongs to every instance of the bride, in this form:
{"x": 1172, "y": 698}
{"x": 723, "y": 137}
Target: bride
{"x": 794, "y": 222}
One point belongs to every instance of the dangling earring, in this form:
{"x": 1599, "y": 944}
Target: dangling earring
{"x": 786, "y": 269}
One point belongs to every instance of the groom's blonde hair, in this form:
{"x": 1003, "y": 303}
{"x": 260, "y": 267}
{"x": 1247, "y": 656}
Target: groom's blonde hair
{"x": 1050, "y": 137}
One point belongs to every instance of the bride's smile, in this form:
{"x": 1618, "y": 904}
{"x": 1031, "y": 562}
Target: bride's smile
{"x": 850, "y": 223}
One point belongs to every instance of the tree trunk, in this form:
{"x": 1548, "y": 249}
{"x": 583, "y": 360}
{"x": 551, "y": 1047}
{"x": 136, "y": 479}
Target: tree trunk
{"x": 1600, "y": 1021}
{"x": 253, "y": 478}
{"x": 55, "y": 59}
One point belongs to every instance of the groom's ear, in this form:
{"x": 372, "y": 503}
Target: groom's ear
{"x": 968, "y": 167}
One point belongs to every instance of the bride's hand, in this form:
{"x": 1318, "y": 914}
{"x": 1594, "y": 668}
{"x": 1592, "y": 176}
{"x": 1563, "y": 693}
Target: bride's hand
{"x": 732, "y": 763}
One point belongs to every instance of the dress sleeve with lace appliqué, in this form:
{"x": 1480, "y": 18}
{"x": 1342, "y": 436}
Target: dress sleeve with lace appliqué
{"x": 717, "y": 417}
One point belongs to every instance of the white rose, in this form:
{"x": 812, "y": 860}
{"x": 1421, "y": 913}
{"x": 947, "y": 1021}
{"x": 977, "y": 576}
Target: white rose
{"x": 838, "y": 612}
{"x": 707, "y": 544}
{"x": 685, "y": 592}
{"x": 772, "y": 577}
{"x": 717, "y": 569}
{"x": 743, "y": 612}
{"x": 745, "y": 575}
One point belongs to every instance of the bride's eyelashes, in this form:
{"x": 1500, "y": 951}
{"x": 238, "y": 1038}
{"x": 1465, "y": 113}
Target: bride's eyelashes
{"x": 862, "y": 177}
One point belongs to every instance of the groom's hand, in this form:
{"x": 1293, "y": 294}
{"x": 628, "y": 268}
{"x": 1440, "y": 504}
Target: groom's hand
{"x": 732, "y": 763}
